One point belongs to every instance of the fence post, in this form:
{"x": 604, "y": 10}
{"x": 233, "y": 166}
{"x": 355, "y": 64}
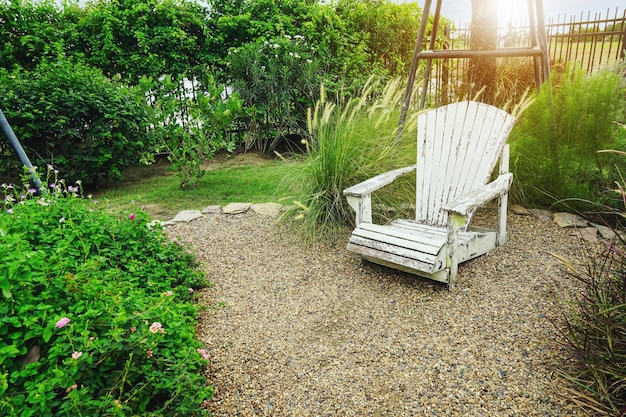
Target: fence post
{"x": 622, "y": 53}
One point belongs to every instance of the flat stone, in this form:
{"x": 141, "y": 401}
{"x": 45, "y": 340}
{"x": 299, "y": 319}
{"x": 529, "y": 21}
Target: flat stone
{"x": 588, "y": 234}
{"x": 564, "y": 219}
{"x": 267, "y": 209}
{"x": 236, "y": 208}
{"x": 212, "y": 210}
{"x": 186, "y": 216}
{"x": 543, "y": 215}
{"x": 605, "y": 231}
{"x": 519, "y": 210}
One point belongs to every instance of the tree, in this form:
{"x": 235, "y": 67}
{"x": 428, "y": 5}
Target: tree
{"x": 484, "y": 36}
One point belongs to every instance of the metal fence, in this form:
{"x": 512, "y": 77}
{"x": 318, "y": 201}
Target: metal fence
{"x": 588, "y": 40}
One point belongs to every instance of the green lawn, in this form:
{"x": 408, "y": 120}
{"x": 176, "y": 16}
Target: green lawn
{"x": 246, "y": 179}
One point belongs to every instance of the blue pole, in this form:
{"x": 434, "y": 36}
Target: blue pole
{"x": 4, "y": 123}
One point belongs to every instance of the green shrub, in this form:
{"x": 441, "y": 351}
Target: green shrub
{"x": 30, "y": 32}
{"x": 555, "y": 144}
{"x": 350, "y": 143}
{"x": 134, "y": 38}
{"x": 69, "y": 115}
{"x": 195, "y": 124}
{"x": 278, "y": 80}
{"x": 97, "y": 314}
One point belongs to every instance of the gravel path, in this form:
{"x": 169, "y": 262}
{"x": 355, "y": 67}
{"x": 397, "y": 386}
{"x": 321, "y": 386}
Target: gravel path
{"x": 314, "y": 331}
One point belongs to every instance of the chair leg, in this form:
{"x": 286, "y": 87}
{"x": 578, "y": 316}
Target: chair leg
{"x": 454, "y": 268}
{"x": 455, "y": 223}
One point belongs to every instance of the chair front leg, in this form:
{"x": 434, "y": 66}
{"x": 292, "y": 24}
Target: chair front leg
{"x": 455, "y": 223}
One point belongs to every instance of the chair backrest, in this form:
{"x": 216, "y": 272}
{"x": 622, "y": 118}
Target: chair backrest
{"x": 458, "y": 146}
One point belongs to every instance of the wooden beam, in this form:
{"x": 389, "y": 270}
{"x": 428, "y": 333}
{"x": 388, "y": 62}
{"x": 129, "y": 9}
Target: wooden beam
{"x": 497, "y": 53}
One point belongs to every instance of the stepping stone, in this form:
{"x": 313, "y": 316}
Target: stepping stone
{"x": 588, "y": 234}
{"x": 212, "y": 210}
{"x": 236, "y": 208}
{"x": 519, "y": 210}
{"x": 569, "y": 220}
{"x": 186, "y": 216}
{"x": 267, "y": 209}
{"x": 543, "y": 215}
{"x": 605, "y": 231}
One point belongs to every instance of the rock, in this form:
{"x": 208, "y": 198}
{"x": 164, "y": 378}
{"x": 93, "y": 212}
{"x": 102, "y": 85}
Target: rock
{"x": 543, "y": 215}
{"x": 212, "y": 210}
{"x": 605, "y": 231}
{"x": 161, "y": 223}
{"x": 519, "y": 210}
{"x": 186, "y": 216}
{"x": 588, "y": 234}
{"x": 236, "y": 208}
{"x": 569, "y": 220}
{"x": 267, "y": 209}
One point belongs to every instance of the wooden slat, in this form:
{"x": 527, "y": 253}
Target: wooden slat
{"x": 458, "y": 147}
{"x": 464, "y": 236}
{"x": 387, "y": 247}
{"x": 391, "y": 258}
{"x": 402, "y": 239}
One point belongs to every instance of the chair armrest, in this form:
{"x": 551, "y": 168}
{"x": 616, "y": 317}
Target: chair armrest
{"x": 374, "y": 183}
{"x": 469, "y": 202}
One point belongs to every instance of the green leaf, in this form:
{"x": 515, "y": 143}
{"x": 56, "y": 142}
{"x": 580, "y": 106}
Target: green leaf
{"x": 5, "y": 286}
{"x": 46, "y": 334}
{"x": 10, "y": 350}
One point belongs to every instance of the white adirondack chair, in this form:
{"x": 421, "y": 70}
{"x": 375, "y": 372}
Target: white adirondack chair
{"x": 458, "y": 147}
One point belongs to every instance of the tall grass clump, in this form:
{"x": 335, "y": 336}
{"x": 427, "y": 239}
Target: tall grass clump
{"x": 555, "y": 144}
{"x": 594, "y": 334}
{"x": 593, "y": 331}
{"x": 349, "y": 143}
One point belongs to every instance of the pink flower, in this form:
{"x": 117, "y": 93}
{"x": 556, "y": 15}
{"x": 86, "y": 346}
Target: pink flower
{"x": 149, "y": 353}
{"x": 156, "y": 327}
{"x": 168, "y": 293}
{"x": 190, "y": 290}
{"x": 203, "y": 353}
{"x": 77, "y": 355}
{"x": 132, "y": 216}
{"x": 62, "y": 323}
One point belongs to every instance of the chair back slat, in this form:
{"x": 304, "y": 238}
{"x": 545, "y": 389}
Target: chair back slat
{"x": 458, "y": 147}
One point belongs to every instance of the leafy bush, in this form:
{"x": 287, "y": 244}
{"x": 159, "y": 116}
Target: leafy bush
{"x": 278, "y": 80}
{"x": 30, "y": 32}
{"x": 195, "y": 124}
{"x": 97, "y": 314}
{"x": 555, "y": 144}
{"x": 70, "y": 115}
{"x": 350, "y": 143}
{"x": 135, "y": 38}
